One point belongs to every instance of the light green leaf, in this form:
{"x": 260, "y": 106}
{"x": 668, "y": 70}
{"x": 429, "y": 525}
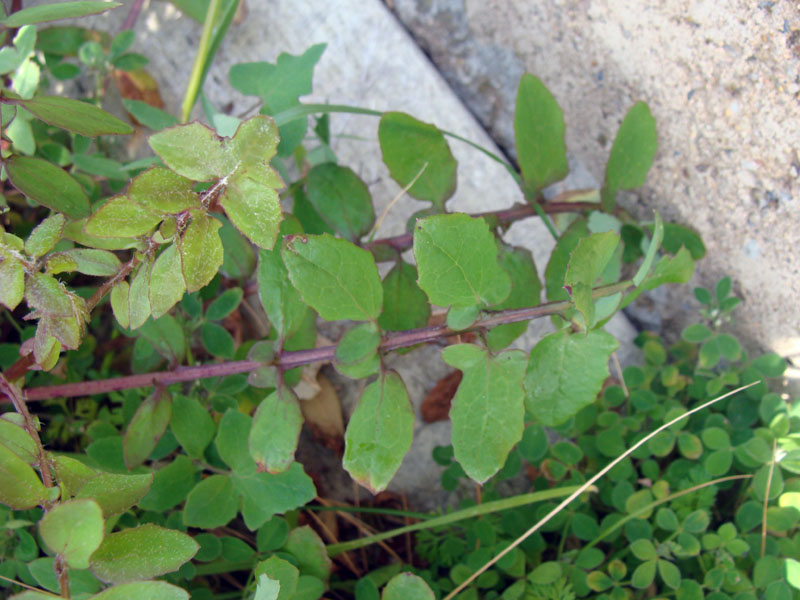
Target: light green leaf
{"x": 191, "y": 424}
{"x": 539, "y": 133}
{"x": 631, "y": 154}
{"x": 166, "y": 281}
{"x": 149, "y": 116}
{"x": 73, "y": 530}
{"x": 48, "y": 185}
{"x": 142, "y": 552}
{"x": 644, "y": 574}
{"x": 255, "y": 142}
{"x": 565, "y": 373}
{"x": 266, "y": 588}
{"x": 138, "y": 296}
{"x": 341, "y": 199}
{"x": 201, "y": 251}
{"x": 407, "y": 586}
{"x": 194, "y": 151}
{"x": 379, "y": 433}
{"x": 526, "y": 290}
{"x": 71, "y": 474}
{"x": 45, "y": 236}
{"x": 231, "y": 441}
{"x": 121, "y": 217}
{"x": 280, "y": 570}
{"x": 280, "y": 299}
{"x": 655, "y": 243}
{"x": 413, "y": 149}
{"x": 358, "y": 343}
{"x": 253, "y": 208}
{"x": 148, "y": 424}
{"x": 587, "y": 262}
{"x": 74, "y": 115}
{"x": 488, "y": 409}
{"x": 12, "y": 280}
{"x": 792, "y": 572}
{"x": 18, "y": 440}
{"x": 669, "y": 269}
{"x": 461, "y": 317}
{"x": 264, "y": 495}
{"x": 336, "y": 278}
{"x": 309, "y": 550}
{"x": 457, "y": 261}
{"x": 91, "y": 261}
{"x": 405, "y": 305}
{"x": 163, "y": 191}
{"x": 275, "y": 431}
{"x": 212, "y": 503}
{"x": 152, "y": 590}
{"x": 115, "y": 493}
{"x": 56, "y": 11}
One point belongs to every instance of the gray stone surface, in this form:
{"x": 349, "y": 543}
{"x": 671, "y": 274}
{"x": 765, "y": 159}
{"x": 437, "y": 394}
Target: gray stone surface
{"x": 722, "y": 82}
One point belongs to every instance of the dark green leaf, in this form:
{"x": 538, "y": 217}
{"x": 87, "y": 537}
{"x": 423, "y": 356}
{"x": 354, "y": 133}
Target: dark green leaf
{"x": 405, "y": 305}
{"x": 677, "y": 236}
{"x": 149, "y": 116}
{"x": 264, "y": 495}
{"x": 191, "y": 424}
{"x": 217, "y": 340}
{"x": 280, "y": 299}
{"x": 171, "y": 484}
{"x": 48, "y": 185}
{"x": 147, "y": 426}
{"x": 341, "y": 199}
{"x": 166, "y": 336}
{"x": 225, "y": 304}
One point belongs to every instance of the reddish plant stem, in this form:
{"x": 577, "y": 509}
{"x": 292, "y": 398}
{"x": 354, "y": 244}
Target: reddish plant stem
{"x": 133, "y": 14}
{"x": 289, "y": 360}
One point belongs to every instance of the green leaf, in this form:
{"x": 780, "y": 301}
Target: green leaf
{"x": 644, "y": 574}
{"x": 146, "y": 427}
{"x": 407, "y": 586}
{"x": 334, "y": 277}
{"x": 413, "y": 149}
{"x": 655, "y": 242}
{"x": 678, "y": 236}
{"x": 239, "y": 259}
{"x": 212, "y": 503}
{"x": 264, "y": 495}
{"x": 405, "y": 305}
{"x": 254, "y": 208}
{"x": 275, "y": 431}
{"x": 587, "y": 262}
{"x": 45, "y": 236}
{"x": 280, "y": 570}
{"x": 526, "y": 291}
{"x": 18, "y": 440}
{"x": 379, "y": 432}
{"x": 792, "y": 571}
{"x": 75, "y": 116}
{"x": 12, "y": 280}
{"x": 56, "y": 11}
{"x": 565, "y": 374}
{"x": 341, "y": 199}
{"x": 696, "y": 333}
{"x": 22, "y": 489}
{"x": 171, "y": 484}
{"x": 201, "y": 251}
{"x": 115, "y": 493}
{"x": 217, "y": 340}
{"x": 121, "y": 217}
{"x": 358, "y": 343}
{"x": 142, "y": 552}
{"x": 631, "y": 154}
{"x": 166, "y": 336}
{"x": 48, "y": 185}
{"x": 73, "y": 530}
{"x": 266, "y": 588}
{"x": 225, "y": 304}
{"x": 309, "y": 550}
{"x": 488, "y": 409}
{"x": 166, "y": 281}
{"x": 644, "y": 550}
{"x": 461, "y": 317}
{"x": 669, "y": 573}
{"x": 90, "y": 261}
{"x": 148, "y": 115}
{"x": 163, "y": 191}
{"x": 545, "y": 573}
{"x": 194, "y": 151}
{"x": 457, "y": 261}
{"x": 280, "y": 299}
{"x": 231, "y": 441}
{"x": 539, "y": 133}
{"x": 152, "y": 590}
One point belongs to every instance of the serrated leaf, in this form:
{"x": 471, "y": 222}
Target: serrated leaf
{"x": 142, "y": 552}
{"x": 166, "y": 281}
{"x": 192, "y": 425}
{"x": 56, "y": 11}
{"x": 488, "y": 409}
{"x": 211, "y": 503}
{"x": 275, "y": 430}
{"x": 280, "y": 299}
{"x": 152, "y": 590}
{"x": 539, "y": 134}
{"x": 73, "y": 530}
{"x": 565, "y": 373}
{"x": 48, "y": 185}
{"x": 75, "y": 116}
{"x": 194, "y": 151}
{"x": 163, "y": 191}
{"x": 379, "y": 433}
{"x": 407, "y": 586}
{"x": 412, "y": 149}
{"x": 457, "y": 261}
{"x": 334, "y": 277}
{"x": 587, "y": 262}
{"x": 253, "y": 208}
{"x": 121, "y": 217}
{"x": 12, "y": 280}
{"x": 264, "y": 495}
{"x": 148, "y": 424}
{"x": 115, "y": 493}
{"x": 631, "y": 154}
{"x": 22, "y": 488}
{"x": 309, "y": 550}
{"x": 341, "y": 199}
{"x": 405, "y": 305}
{"x": 201, "y": 251}
{"x": 45, "y": 236}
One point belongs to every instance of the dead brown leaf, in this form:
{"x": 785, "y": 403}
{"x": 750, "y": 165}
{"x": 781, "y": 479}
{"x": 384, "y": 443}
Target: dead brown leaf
{"x": 436, "y": 406}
